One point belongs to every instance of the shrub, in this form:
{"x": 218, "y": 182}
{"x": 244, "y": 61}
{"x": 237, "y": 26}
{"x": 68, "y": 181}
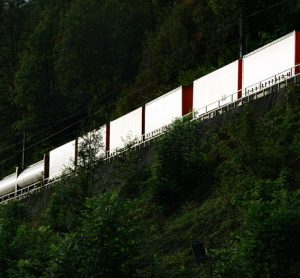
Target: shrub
{"x": 182, "y": 170}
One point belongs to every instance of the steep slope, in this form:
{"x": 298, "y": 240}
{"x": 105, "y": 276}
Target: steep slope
{"x": 231, "y": 182}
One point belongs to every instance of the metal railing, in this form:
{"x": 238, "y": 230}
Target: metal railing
{"x": 273, "y": 84}
{"x": 218, "y": 107}
{"x": 26, "y": 191}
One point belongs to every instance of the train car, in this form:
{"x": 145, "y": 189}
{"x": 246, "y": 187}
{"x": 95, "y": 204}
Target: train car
{"x": 164, "y": 110}
{"x": 31, "y": 175}
{"x": 125, "y": 129}
{"x": 94, "y": 142}
{"x": 217, "y": 88}
{"x": 271, "y": 63}
{"x": 62, "y": 158}
{"x": 8, "y": 184}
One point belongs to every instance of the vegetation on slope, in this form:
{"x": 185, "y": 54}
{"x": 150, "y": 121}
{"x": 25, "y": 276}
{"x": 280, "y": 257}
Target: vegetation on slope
{"x": 236, "y": 188}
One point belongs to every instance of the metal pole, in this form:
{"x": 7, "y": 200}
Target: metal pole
{"x": 23, "y": 149}
{"x": 242, "y": 31}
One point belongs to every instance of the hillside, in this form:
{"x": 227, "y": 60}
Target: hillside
{"x": 231, "y": 182}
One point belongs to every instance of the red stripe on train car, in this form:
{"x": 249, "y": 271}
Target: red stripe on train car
{"x": 107, "y": 137}
{"x": 240, "y": 78}
{"x": 46, "y": 165}
{"x": 297, "y": 52}
{"x": 187, "y": 99}
{"x": 76, "y": 152}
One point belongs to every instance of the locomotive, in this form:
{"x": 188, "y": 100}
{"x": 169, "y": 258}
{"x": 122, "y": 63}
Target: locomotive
{"x": 254, "y": 72}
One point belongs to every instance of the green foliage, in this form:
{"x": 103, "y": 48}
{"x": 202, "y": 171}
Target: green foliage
{"x": 254, "y": 148}
{"x": 65, "y": 205}
{"x": 94, "y": 35}
{"x": 269, "y": 245}
{"x": 69, "y": 197}
{"x": 90, "y": 154}
{"x": 108, "y": 240}
{"x": 104, "y": 240}
{"x": 166, "y": 52}
{"x": 187, "y": 78}
{"x": 272, "y": 229}
{"x": 34, "y": 248}
{"x": 235, "y": 187}
{"x": 12, "y": 216}
{"x": 90, "y": 149}
{"x": 36, "y": 88}
{"x": 133, "y": 175}
{"x": 183, "y": 167}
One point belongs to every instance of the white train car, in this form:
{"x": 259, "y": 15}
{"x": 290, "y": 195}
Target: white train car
{"x": 62, "y": 158}
{"x": 93, "y": 142}
{"x": 31, "y": 175}
{"x": 8, "y": 184}
{"x": 125, "y": 129}
{"x": 217, "y": 88}
{"x": 163, "y": 110}
{"x": 271, "y": 63}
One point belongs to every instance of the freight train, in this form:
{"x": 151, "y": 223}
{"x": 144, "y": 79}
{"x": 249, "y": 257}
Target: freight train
{"x": 256, "y": 71}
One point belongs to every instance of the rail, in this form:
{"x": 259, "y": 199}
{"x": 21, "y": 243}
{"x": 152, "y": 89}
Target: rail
{"x": 268, "y": 86}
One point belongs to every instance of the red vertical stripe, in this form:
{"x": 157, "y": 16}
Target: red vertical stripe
{"x": 46, "y": 166}
{"x": 143, "y": 121}
{"x": 76, "y": 152}
{"x": 17, "y": 174}
{"x": 187, "y": 99}
{"x": 107, "y": 137}
{"x": 297, "y": 52}
{"x": 240, "y": 78}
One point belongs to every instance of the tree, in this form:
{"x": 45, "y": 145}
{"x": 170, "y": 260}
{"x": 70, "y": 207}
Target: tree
{"x": 182, "y": 170}
{"x": 12, "y": 216}
{"x": 107, "y": 243}
{"x": 16, "y": 18}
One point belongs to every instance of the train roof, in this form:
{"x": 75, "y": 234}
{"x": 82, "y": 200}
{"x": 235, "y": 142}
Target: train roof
{"x": 269, "y": 44}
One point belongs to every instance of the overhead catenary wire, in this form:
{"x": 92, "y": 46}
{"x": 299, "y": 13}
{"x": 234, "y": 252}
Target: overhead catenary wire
{"x": 269, "y": 8}
{"x": 79, "y": 121}
{"x": 99, "y": 102}
{"x": 75, "y": 123}
{"x": 84, "y": 109}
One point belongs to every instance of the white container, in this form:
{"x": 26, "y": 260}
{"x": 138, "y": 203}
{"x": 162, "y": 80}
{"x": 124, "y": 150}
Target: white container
{"x": 125, "y": 129}
{"x": 61, "y": 158}
{"x": 31, "y": 175}
{"x": 216, "y": 88}
{"x": 269, "y": 62}
{"x": 163, "y": 110}
{"x": 8, "y": 184}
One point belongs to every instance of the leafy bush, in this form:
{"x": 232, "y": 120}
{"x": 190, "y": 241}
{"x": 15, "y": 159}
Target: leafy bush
{"x": 182, "y": 169}
{"x": 12, "y": 216}
{"x": 34, "y": 248}
{"x": 270, "y": 243}
{"x": 66, "y": 203}
{"x": 108, "y": 240}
